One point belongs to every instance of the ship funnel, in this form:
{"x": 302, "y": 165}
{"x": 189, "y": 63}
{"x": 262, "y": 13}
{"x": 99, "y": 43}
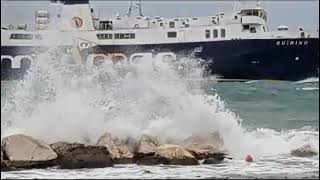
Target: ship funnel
{"x": 72, "y": 15}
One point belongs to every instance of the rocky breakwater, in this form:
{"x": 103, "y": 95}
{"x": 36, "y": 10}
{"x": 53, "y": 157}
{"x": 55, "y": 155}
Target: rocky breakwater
{"x": 22, "y": 151}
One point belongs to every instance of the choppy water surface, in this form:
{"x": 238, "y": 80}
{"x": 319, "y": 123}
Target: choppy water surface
{"x": 266, "y": 119}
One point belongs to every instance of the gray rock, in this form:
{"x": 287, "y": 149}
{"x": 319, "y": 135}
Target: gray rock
{"x": 76, "y": 156}
{"x": 24, "y": 151}
{"x": 306, "y": 150}
{"x": 118, "y": 148}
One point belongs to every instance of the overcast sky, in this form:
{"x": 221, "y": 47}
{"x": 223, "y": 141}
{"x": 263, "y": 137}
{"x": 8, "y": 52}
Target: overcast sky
{"x": 291, "y": 13}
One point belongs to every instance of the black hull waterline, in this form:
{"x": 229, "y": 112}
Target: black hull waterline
{"x": 255, "y": 59}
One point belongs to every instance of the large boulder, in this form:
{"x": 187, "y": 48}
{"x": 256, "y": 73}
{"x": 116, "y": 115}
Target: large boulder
{"x": 203, "y": 147}
{"x": 145, "y": 151}
{"x": 24, "y": 151}
{"x": 149, "y": 152}
{"x": 306, "y": 150}
{"x": 176, "y": 155}
{"x": 118, "y": 148}
{"x": 76, "y": 156}
{"x": 146, "y": 146}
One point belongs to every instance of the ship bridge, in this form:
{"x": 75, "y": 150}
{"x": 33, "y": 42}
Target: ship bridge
{"x": 253, "y": 16}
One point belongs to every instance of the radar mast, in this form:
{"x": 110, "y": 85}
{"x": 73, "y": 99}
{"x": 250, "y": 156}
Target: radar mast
{"x": 134, "y": 5}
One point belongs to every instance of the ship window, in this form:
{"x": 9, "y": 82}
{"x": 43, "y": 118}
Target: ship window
{"x": 187, "y": 25}
{"x": 161, "y": 24}
{"x": 124, "y": 36}
{"x": 215, "y": 33}
{"x": 223, "y": 33}
{"x": 25, "y": 63}
{"x": 213, "y": 21}
{"x": 172, "y": 34}
{"x": 27, "y": 36}
{"x": 38, "y": 36}
{"x": 253, "y": 30}
{"x": 21, "y": 36}
{"x": 255, "y": 13}
{"x": 6, "y": 63}
{"x": 249, "y": 13}
{"x": 171, "y": 24}
{"x": 265, "y": 17}
{"x": 105, "y": 25}
{"x": 104, "y": 36}
{"x": 235, "y": 17}
{"x": 207, "y": 33}
{"x": 302, "y": 34}
{"x": 245, "y": 27}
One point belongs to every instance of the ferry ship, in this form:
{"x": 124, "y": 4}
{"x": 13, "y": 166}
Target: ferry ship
{"x": 235, "y": 45}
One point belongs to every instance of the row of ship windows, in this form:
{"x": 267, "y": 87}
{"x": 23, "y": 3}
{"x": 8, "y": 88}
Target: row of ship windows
{"x": 7, "y": 63}
{"x": 170, "y": 34}
{"x": 25, "y": 36}
{"x": 215, "y": 33}
{"x": 116, "y": 36}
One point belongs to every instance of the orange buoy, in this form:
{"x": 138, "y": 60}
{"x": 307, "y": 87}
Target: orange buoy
{"x": 249, "y": 158}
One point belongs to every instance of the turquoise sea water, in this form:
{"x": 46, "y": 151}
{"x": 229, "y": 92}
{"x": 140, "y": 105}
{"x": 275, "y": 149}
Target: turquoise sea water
{"x": 272, "y": 104}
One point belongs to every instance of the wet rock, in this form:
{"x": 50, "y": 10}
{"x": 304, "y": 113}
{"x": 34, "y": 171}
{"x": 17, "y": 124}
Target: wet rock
{"x": 149, "y": 152}
{"x": 4, "y": 162}
{"x": 76, "y": 156}
{"x": 145, "y": 151}
{"x": 306, "y": 150}
{"x": 211, "y": 161}
{"x": 118, "y": 148}
{"x": 203, "y": 147}
{"x": 146, "y": 146}
{"x": 24, "y": 151}
{"x": 176, "y": 155}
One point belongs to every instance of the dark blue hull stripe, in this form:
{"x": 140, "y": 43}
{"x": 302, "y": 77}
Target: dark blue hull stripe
{"x": 276, "y": 59}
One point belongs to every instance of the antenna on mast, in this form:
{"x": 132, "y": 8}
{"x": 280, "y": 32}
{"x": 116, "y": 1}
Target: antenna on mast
{"x": 135, "y": 6}
{"x": 235, "y": 4}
